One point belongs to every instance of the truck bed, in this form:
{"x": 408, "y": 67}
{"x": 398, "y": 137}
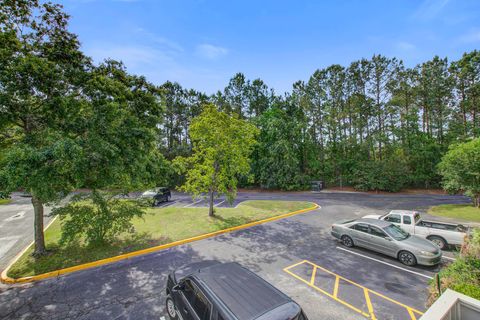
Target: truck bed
{"x": 442, "y": 225}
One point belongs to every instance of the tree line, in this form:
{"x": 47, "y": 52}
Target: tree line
{"x": 374, "y": 124}
{"x": 67, "y": 123}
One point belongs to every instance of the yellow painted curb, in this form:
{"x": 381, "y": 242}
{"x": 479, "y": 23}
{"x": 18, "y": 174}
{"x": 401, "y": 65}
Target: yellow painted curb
{"x": 6, "y": 279}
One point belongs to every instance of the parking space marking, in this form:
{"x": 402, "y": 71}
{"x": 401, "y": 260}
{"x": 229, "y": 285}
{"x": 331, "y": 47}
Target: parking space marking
{"x": 386, "y": 263}
{"x": 193, "y": 203}
{"x": 16, "y": 216}
{"x": 448, "y": 258}
{"x": 412, "y": 312}
{"x": 219, "y": 203}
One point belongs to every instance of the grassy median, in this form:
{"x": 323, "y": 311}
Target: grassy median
{"x": 5, "y": 201}
{"x": 158, "y": 226}
{"x": 457, "y": 211}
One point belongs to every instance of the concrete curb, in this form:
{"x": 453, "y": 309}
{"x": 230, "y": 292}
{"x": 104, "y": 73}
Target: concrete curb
{"x": 8, "y": 280}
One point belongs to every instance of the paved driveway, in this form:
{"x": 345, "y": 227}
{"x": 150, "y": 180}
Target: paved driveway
{"x": 296, "y": 254}
{"x": 16, "y": 227}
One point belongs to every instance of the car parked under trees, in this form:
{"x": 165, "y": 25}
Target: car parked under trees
{"x": 157, "y": 195}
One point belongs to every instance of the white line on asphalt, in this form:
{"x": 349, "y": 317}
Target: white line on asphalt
{"x": 169, "y": 204}
{"x": 193, "y": 203}
{"x": 448, "y": 258}
{"x": 388, "y": 264}
{"x": 17, "y": 216}
{"x": 219, "y": 203}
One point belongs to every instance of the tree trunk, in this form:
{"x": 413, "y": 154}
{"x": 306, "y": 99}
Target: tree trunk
{"x": 38, "y": 227}
{"x": 211, "y": 212}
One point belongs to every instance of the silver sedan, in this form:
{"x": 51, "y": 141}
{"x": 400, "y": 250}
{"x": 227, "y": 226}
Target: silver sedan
{"x": 385, "y": 237}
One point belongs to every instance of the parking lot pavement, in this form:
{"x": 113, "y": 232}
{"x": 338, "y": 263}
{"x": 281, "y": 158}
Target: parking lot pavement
{"x": 135, "y": 288}
{"x": 16, "y": 227}
{"x": 196, "y": 203}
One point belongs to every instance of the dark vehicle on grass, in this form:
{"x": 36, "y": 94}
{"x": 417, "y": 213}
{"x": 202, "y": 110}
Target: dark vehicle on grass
{"x": 226, "y": 291}
{"x": 387, "y": 238}
{"x": 157, "y": 195}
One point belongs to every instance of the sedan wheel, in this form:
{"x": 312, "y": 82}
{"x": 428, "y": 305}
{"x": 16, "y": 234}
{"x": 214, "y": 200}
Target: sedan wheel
{"x": 407, "y": 258}
{"x": 347, "y": 241}
{"x": 172, "y": 311}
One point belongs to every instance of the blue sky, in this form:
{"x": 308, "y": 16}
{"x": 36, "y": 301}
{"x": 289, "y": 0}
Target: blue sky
{"x": 201, "y": 44}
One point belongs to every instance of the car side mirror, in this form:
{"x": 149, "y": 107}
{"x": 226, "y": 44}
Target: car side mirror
{"x": 388, "y": 238}
{"x": 178, "y": 287}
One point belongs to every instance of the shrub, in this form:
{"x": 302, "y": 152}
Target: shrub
{"x": 383, "y": 175}
{"x": 97, "y": 217}
{"x": 463, "y": 275}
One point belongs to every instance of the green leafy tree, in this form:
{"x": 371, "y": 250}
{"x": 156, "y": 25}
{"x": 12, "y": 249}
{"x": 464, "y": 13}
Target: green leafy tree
{"x": 40, "y": 69}
{"x": 460, "y": 169}
{"x": 71, "y": 124}
{"x": 222, "y": 144}
{"x": 279, "y": 148}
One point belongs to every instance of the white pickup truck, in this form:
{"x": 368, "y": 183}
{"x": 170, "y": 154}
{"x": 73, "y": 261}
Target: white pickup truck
{"x": 441, "y": 233}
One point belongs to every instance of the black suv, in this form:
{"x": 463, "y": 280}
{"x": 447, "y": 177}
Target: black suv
{"x": 211, "y": 290}
{"x": 157, "y": 195}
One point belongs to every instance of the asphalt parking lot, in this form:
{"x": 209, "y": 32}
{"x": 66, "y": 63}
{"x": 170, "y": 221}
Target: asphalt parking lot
{"x": 296, "y": 254}
{"x": 16, "y": 227}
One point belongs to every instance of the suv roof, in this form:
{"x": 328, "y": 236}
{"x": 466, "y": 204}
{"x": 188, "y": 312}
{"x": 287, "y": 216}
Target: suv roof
{"x": 242, "y": 292}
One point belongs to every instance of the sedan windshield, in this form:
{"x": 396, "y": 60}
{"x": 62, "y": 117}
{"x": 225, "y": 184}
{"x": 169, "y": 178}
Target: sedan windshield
{"x": 396, "y": 233}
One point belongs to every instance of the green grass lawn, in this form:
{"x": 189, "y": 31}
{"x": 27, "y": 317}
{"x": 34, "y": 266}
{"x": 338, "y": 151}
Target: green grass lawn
{"x": 5, "y": 201}
{"x": 458, "y": 211}
{"x": 158, "y": 226}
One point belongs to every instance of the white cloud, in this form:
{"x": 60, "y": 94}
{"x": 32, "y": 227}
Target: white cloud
{"x": 159, "y": 40}
{"x": 132, "y": 56}
{"x": 211, "y": 52}
{"x": 430, "y": 9}
{"x": 405, "y": 46}
{"x": 158, "y": 65}
{"x": 471, "y": 37}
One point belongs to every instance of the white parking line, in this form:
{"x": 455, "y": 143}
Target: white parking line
{"x": 448, "y": 258}
{"x": 388, "y": 264}
{"x": 219, "y": 203}
{"x": 193, "y": 203}
{"x": 17, "y": 216}
{"x": 163, "y": 204}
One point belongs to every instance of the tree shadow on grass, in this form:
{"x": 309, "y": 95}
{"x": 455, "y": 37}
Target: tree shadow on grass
{"x": 224, "y": 223}
{"x": 78, "y": 252}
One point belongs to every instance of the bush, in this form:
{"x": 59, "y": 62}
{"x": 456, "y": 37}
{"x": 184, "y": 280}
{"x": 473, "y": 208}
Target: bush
{"x": 463, "y": 275}
{"x": 97, "y": 217}
{"x": 384, "y": 175}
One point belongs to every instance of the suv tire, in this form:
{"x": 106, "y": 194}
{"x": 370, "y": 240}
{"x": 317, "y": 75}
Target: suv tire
{"x": 171, "y": 308}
